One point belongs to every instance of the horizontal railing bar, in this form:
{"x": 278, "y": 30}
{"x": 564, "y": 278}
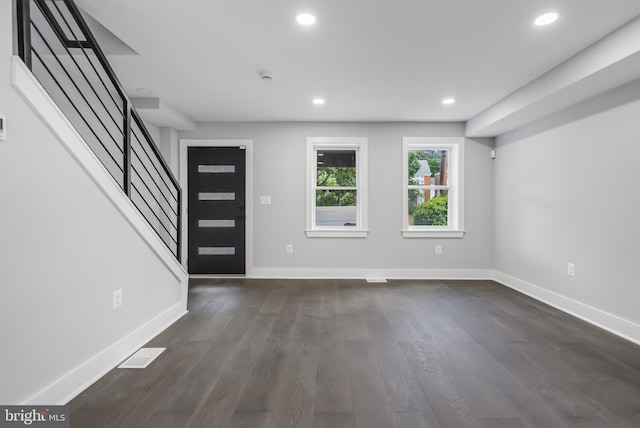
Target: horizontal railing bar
{"x": 154, "y": 182}
{"x": 164, "y": 241}
{"x": 166, "y": 186}
{"x": 120, "y": 106}
{"x": 151, "y": 193}
{"x": 153, "y": 212}
{"x": 154, "y": 167}
{"x": 76, "y": 108}
{"x": 76, "y": 44}
{"x": 77, "y": 88}
{"x": 120, "y": 110}
{"x": 156, "y": 151}
{"x": 171, "y": 225}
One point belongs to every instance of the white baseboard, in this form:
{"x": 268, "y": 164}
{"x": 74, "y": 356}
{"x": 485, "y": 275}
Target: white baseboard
{"x": 614, "y": 324}
{"x": 311, "y": 273}
{"x": 68, "y": 386}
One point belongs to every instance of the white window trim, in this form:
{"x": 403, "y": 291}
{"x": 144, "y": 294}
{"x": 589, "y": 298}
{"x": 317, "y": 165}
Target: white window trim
{"x": 360, "y": 145}
{"x": 455, "y": 228}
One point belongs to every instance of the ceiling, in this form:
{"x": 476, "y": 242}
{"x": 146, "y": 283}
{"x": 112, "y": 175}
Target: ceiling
{"x": 371, "y": 60}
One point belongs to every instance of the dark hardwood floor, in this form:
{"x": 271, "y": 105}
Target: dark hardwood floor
{"x": 345, "y": 353}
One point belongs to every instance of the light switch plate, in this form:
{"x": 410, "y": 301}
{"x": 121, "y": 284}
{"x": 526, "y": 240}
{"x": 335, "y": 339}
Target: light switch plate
{"x": 265, "y": 200}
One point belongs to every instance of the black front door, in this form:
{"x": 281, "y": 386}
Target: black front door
{"x": 216, "y": 210}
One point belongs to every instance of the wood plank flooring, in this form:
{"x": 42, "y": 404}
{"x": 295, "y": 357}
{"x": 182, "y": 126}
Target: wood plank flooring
{"x": 347, "y": 354}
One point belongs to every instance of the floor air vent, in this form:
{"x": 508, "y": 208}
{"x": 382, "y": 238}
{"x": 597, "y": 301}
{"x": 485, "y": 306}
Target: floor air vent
{"x": 380, "y": 280}
{"x": 142, "y": 358}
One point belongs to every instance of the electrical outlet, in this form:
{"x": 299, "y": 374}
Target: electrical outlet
{"x": 571, "y": 269}
{"x": 117, "y": 299}
{"x": 289, "y": 248}
{"x": 438, "y": 249}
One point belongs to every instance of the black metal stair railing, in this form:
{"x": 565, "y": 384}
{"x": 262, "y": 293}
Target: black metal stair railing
{"x": 56, "y": 44}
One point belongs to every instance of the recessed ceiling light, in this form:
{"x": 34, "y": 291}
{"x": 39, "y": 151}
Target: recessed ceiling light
{"x": 144, "y": 91}
{"x": 318, "y": 101}
{"x": 546, "y": 19}
{"x": 306, "y": 19}
{"x": 448, "y": 101}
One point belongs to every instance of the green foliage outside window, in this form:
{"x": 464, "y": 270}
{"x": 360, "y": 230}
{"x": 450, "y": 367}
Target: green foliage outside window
{"x": 433, "y": 212}
{"x": 434, "y": 165}
{"x": 433, "y": 157}
{"x": 336, "y": 177}
{"x": 335, "y": 198}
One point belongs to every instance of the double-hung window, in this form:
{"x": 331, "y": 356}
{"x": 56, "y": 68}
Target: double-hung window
{"x": 433, "y": 186}
{"x": 336, "y": 187}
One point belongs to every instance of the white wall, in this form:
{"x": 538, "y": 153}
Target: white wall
{"x": 154, "y": 131}
{"x": 567, "y": 191}
{"x": 169, "y": 144}
{"x": 64, "y": 249}
{"x": 279, "y": 172}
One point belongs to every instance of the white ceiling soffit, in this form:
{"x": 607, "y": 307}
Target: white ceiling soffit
{"x": 607, "y": 64}
{"x": 157, "y": 112}
{"x": 370, "y": 60}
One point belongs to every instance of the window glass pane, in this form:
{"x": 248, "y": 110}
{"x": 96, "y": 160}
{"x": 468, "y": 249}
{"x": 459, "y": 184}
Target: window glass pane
{"x": 216, "y": 251}
{"x": 428, "y": 167}
{"x": 336, "y": 168}
{"x": 225, "y": 169}
{"x": 336, "y": 208}
{"x": 428, "y": 207}
{"x": 216, "y": 223}
{"x": 204, "y": 196}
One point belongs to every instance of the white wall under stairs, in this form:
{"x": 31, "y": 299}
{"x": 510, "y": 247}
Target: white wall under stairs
{"x": 68, "y": 238}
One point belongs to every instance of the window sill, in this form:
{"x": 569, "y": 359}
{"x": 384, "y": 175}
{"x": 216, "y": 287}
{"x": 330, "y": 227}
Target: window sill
{"x": 336, "y": 233}
{"x": 413, "y": 233}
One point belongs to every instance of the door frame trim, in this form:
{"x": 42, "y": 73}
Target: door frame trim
{"x": 185, "y": 143}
